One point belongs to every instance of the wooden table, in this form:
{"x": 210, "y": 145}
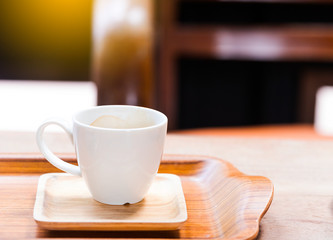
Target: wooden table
{"x": 301, "y": 170}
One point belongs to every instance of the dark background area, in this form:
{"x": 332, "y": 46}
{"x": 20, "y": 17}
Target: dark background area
{"x": 232, "y": 93}
{"x": 241, "y": 93}
{"x": 252, "y": 12}
{"x": 228, "y": 92}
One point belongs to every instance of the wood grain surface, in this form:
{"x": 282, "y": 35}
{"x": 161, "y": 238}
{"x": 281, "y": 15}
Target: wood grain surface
{"x": 222, "y": 203}
{"x": 301, "y": 170}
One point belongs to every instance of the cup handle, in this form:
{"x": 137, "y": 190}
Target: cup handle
{"x": 53, "y": 159}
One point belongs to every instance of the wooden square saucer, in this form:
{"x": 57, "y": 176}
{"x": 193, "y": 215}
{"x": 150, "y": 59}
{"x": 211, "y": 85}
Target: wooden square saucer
{"x": 63, "y": 202}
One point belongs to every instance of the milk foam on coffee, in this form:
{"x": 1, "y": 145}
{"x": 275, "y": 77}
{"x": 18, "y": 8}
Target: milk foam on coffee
{"x": 110, "y": 121}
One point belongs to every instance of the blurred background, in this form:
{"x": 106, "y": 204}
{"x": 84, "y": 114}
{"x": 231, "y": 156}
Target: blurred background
{"x": 203, "y": 63}
{"x": 45, "y": 40}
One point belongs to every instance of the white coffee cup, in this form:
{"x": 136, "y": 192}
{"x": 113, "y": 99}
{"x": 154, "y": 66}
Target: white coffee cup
{"x": 117, "y": 164}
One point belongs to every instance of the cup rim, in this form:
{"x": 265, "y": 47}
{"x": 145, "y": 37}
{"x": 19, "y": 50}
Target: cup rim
{"x": 161, "y": 123}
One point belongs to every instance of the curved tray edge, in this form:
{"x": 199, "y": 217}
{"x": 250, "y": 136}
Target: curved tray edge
{"x": 250, "y": 233}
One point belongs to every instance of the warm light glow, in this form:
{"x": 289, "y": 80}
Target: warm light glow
{"x": 46, "y": 36}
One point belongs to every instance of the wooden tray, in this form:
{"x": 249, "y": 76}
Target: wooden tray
{"x": 63, "y": 202}
{"x": 222, "y": 203}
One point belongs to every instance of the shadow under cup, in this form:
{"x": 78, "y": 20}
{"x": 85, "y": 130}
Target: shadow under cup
{"x": 119, "y": 164}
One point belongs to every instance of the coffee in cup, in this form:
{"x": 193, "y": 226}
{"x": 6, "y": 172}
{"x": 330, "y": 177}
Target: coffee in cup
{"x": 110, "y": 121}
